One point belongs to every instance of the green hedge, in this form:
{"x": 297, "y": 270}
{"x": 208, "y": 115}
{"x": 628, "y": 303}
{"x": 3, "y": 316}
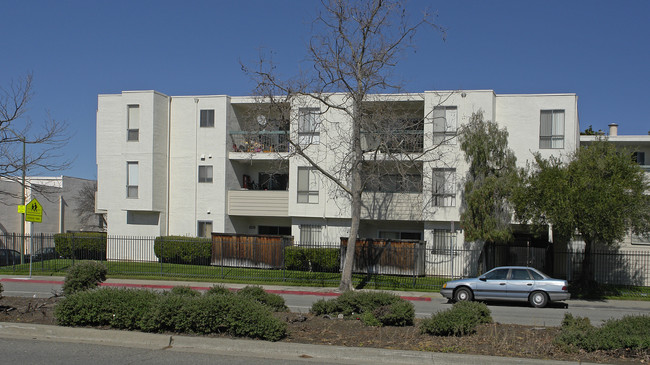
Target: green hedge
{"x": 183, "y": 250}
{"x": 312, "y": 259}
{"x": 629, "y": 332}
{"x": 84, "y": 275}
{"x": 178, "y": 311}
{"x": 461, "y": 319}
{"x": 82, "y": 245}
{"x": 373, "y": 308}
{"x": 273, "y": 301}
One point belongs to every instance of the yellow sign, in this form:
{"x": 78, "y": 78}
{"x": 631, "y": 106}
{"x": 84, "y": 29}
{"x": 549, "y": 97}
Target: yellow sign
{"x": 21, "y": 209}
{"x": 34, "y": 211}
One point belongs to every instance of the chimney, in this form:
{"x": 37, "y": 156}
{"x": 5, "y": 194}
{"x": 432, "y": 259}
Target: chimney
{"x": 613, "y": 129}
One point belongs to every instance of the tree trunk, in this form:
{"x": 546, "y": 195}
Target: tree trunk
{"x": 587, "y": 273}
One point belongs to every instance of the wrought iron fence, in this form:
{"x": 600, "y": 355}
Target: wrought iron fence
{"x": 315, "y": 264}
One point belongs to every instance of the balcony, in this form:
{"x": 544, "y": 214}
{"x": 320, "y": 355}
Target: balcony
{"x": 259, "y": 141}
{"x": 398, "y": 141}
{"x": 258, "y": 203}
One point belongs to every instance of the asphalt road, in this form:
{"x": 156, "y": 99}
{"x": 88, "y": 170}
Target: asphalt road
{"x": 301, "y": 299}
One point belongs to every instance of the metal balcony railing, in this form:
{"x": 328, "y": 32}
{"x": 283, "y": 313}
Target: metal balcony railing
{"x": 259, "y": 141}
{"x": 398, "y": 141}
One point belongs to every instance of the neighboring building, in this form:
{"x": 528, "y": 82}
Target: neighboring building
{"x": 57, "y": 196}
{"x": 191, "y": 165}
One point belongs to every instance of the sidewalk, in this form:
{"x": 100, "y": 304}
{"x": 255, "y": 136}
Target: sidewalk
{"x": 201, "y": 286}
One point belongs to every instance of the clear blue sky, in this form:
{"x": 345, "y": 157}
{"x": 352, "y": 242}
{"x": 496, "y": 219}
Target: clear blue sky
{"x": 77, "y": 49}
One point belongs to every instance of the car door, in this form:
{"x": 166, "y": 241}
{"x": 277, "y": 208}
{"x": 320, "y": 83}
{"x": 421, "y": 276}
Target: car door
{"x": 519, "y": 284}
{"x": 492, "y": 285}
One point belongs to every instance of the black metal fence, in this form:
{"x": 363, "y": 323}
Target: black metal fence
{"x": 313, "y": 264}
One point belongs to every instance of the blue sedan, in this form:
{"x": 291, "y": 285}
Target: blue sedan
{"x": 516, "y": 283}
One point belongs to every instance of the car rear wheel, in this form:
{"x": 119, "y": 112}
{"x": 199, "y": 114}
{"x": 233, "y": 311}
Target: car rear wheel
{"x": 538, "y": 299}
{"x": 463, "y": 295}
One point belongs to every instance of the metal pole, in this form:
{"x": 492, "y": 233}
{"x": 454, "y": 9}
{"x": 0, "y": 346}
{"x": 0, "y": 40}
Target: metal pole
{"x": 22, "y": 225}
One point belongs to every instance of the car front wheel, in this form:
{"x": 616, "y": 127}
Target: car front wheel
{"x": 463, "y": 295}
{"x": 538, "y": 299}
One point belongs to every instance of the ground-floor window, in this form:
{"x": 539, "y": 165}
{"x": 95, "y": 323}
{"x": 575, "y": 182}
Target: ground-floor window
{"x": 310, "y": 234}
{"x": 397, "y": 235}
{"x": 274, "y": 230}
{"x": 204, "y": 229}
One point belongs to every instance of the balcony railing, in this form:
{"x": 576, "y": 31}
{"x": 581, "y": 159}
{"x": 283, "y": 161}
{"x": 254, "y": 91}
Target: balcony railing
{"x": 403, "y": 141}
{"x": 259, "y": 141}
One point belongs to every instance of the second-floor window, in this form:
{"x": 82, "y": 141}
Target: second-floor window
{"x": 639, "y": 157}
{"x": 133, "y": 123}
{"x": 308, "y": 126}
{"x": 132, "y": 179}
{"x": 444, "y": 187}
{"x": 207, "y": 118}
{"x": 445, "y": 123}
{"x": 307, "y": 185}
{"x": 551, "y": 129}
{"x": 205, "y": 174}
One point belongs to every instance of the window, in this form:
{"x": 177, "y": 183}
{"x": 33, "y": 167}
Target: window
{"x": 308, "y": 126}
{"x": 133, "y": 123}
{"x": 445, "y": 123}
{"x": 519, "y": 274}
{"x": 131, "y": 179}
{"x": 204, "y": 229}
{"x": 395, "y": 183}
{"x": 498, "y": 274}
{"x": 310, "y": 234}
{"x": 551, "y": 129}
{"x": 397, "y": 235}
{"x": 207, "y": 118}
{"x": 639, "y": 157}
{"x": 205, "y": 174}
{"x": 307, "y": 185}
{"x": 274, "y": 230}
{"x": 443, "y": 241}
{"x": 444, "y": 187}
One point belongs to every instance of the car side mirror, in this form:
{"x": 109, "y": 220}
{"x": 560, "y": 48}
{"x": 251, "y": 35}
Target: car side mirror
{"x": 482, "y": 278}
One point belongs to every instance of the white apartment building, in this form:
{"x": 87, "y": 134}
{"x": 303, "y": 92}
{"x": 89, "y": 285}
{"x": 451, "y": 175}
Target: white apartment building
{"x": 191, "y": 165}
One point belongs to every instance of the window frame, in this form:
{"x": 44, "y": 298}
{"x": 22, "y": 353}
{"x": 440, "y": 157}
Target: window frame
{"x": 449, "y": 124}
{"x": 203, "y": 224}
{"x": 206, "y": 118}
{"x": 310, "y": 195}
{"x": 132, "y": 123}
{"x": 310, "y": 234}
{"x": 446, "y": 190}
{"x": 309, "y": 133}
{"x": 132, "y": 176}
{"x": 205, "y": 179}
{"x": 549, "y": 136}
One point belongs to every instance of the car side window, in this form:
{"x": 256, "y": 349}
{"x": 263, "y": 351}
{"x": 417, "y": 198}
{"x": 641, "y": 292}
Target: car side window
{"x": 535, "y": 275}
{"x": 500, "y": 274}
{"x": 519, "y": 274}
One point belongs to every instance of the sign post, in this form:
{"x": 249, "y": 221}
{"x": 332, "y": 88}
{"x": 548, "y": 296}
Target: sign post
{"x": 33, "y": 213}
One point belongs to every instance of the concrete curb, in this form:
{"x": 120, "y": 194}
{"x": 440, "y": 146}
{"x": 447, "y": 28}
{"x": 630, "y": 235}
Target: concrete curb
{"x": 261, "y": 349}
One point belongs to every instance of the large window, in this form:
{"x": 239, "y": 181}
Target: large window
{"x": 207, "y": 118}
{"x": 308, "y": 126}
{"x": 310, "y": 234}
{"x": 307, "y": 185}
{"x": 444, "y": 187}
{"x": 205, "y": 174}
{"x": 204, "y": 229}
{"x": 445, "y": 123}
{"x": 551, "y": 129}
{"x": 639, "y": 157}
{"x": 132, "y": 179}
{"x": 443, "y": 241}
{"x": 400, "y": 235}
{"x": 133, "y": 123}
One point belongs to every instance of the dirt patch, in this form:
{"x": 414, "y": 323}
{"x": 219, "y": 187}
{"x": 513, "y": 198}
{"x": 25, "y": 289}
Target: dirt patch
{"x": 491, "y": 339}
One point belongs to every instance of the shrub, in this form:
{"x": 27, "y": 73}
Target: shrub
{"x": 312, "y": 259}
{"x": 374, "y": 308}
{"x": 629, "y": 332}
{"x": 183, "y": 250}
{"x": 218, "y": 290}
{"x": 82, "y": 245}
{"x": 157, "y": 312}
{"x": 256, "y": 293}
{"x": 84, "y": 275}
{"x": 117, "y": 308}
{"x": 461, "y": 319}
{"x": 184, "y": 291}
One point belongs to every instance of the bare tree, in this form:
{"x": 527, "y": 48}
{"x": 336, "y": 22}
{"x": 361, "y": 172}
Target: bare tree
{"x": 355, "y": 47}
{"x": 85, "y": 208}
{"x": 23, "y": 149}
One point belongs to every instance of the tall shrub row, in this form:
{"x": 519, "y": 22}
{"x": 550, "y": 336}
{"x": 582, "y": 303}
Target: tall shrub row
{"x": 312, "y": 259}
{"x": 82, "y": 245}
{"x": 183, "y": 250}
